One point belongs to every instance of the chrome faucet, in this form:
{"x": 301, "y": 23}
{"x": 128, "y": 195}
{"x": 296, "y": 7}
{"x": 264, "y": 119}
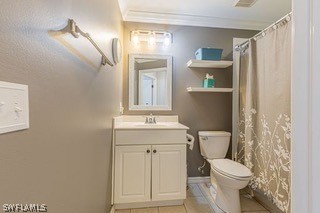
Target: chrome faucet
{"x": 150, "y": 119}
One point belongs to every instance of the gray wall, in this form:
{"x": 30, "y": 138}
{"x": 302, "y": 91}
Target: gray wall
{"x": 199, "y": 111}
{"x": 64, "y": 159}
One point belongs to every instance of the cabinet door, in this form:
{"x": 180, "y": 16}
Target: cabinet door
{"x": 168, "y": 172}
{"x": 132, "y": 174}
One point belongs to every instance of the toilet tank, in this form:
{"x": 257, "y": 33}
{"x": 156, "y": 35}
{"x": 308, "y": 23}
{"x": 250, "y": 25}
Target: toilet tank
{"x": 214, "y": 144}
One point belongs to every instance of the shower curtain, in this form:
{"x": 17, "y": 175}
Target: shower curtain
{"x": 264, "y": 123}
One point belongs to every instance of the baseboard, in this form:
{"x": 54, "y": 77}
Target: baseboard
{"x": 112, "y": 210}
{"x": 199, "y": 179}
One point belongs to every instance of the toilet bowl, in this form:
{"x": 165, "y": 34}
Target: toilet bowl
{"x": 226, "y": 175}
{"x": 230, "y": 177}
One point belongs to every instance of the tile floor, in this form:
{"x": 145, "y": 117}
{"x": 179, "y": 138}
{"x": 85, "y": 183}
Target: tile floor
{"x": 199, "y": 200}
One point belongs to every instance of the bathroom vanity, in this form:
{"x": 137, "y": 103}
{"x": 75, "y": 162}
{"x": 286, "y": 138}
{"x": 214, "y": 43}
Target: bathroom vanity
{"x": 149, "y": 161}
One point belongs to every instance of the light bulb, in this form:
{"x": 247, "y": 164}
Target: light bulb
{"x": 152, "y": 39}
{"x": 135, "y": 37}
{"x": 167, "y": 39}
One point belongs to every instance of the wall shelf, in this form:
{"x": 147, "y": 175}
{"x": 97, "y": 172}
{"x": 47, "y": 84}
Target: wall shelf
{"x": 209, "y": 64}
{"x": 201, "y": 89}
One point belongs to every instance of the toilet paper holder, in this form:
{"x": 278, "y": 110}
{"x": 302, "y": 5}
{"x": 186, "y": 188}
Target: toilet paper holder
{"x": 190, "y": 141}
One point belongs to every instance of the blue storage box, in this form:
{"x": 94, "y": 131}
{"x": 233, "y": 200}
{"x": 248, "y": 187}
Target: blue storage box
{"x": 208, "y": 53}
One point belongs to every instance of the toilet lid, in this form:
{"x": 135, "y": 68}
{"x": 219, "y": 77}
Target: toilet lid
{"x": 230, "y": 168}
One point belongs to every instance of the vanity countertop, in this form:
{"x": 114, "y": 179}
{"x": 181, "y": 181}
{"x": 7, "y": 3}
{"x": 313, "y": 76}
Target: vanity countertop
{"x": 137, "y": 123}
{"x": 142, "y": 125}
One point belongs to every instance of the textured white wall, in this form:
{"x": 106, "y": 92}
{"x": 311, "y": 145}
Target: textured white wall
{"x": 64, "y": 159}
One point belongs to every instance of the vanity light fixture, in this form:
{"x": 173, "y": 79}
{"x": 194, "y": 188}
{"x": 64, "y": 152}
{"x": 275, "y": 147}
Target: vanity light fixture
{"x": 151, "y": 37}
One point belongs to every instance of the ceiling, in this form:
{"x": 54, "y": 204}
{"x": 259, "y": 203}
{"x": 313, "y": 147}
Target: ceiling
{"x": 208, "y": 13}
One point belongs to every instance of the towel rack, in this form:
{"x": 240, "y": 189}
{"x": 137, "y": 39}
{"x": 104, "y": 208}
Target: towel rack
{"x": 76, "y": 31}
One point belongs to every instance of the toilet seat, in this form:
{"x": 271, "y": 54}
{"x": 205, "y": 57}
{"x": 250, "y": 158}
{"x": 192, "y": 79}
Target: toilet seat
{"x": 230, "y": 169}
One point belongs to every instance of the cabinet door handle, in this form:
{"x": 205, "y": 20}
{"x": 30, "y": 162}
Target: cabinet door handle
{"x": 154, "y": 151}
{"x": 148, "y": 151}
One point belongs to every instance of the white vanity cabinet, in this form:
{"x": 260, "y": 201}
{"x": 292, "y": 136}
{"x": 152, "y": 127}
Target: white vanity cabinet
{"x": 150, "y": 173}
{"x": 132, "y": 174}
{"x": 169, "y": 172}
{"x": 149, "y": 167}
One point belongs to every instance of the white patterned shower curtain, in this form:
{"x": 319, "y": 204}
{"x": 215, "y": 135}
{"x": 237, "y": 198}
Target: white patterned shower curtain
{"x": 264, "y": 124}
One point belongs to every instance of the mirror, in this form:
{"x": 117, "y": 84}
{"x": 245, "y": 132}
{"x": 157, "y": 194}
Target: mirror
{"x": 150, "y": 82}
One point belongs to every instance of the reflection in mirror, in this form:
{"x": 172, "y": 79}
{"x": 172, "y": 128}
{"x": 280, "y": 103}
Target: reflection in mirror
{"x": 150, "y": 82}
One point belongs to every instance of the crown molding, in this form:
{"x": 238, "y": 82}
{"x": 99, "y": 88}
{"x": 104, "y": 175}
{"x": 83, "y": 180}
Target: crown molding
{"x": 123, "y": 8}
{"x": 192, "y": 20}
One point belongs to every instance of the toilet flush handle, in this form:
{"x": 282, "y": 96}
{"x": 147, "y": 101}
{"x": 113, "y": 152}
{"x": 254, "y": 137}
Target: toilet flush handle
{"x": 204, "y": 138}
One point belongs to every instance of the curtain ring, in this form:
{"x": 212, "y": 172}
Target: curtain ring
{"x": 275, "y": 27}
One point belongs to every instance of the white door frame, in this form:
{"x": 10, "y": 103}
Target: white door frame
{"x": 155, "y": 86}
{"x": 306, "y": 106}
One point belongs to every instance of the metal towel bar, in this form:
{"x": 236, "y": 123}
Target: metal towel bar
{"x": 76, "y": 31}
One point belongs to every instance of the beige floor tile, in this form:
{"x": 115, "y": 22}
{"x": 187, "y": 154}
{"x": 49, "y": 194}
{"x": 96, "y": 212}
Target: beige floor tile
{"x": 249, "y": 204}
{"x": 172, "y": 209}
{"x": 145, "y": 210}
{"x": 193, "y": 190}
{"x": 123, "y": 211}
{"x": 257, "y": 212}
{"x": 197, "y": 205}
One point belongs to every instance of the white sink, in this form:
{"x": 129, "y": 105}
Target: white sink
{"x": 138, "y": 122}
{"x": 152, "y": 125}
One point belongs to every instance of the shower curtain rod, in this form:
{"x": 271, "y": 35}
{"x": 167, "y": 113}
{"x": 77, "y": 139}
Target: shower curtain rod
{"x": 73, "y": 28}
{"x": 263, "y": 32}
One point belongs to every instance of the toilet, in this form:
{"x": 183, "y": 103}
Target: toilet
{"x": 227, "y": 176}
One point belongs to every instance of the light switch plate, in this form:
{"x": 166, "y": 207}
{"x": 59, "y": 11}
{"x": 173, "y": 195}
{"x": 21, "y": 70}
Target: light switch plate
{"x": 14, "y": 107}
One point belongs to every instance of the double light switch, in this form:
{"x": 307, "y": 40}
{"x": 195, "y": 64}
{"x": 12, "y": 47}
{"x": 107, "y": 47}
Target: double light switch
{"x": 14, "y": 107}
